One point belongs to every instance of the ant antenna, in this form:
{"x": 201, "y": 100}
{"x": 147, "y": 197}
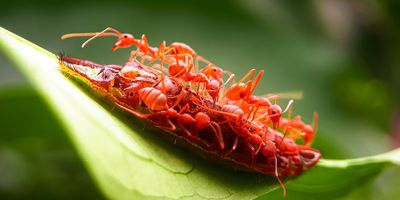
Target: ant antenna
{"x": 315, "y": 127}
{"x": 227, "y": 81}
{"x": 289, "y": 105}
{"x": 315, "y": 122}
{"x": 257, "y": 79}
{"x": 112, "y": 32}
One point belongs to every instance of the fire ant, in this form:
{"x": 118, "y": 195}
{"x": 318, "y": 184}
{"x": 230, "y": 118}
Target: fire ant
{"x": 297, "y": 127}
{"x": 178, "y": 50}
{"x": 241, "y": 126}
{"x": 241, "y": 94}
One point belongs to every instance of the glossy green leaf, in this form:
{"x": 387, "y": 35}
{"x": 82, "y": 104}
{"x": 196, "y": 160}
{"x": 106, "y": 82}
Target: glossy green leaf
{"x": 129, "y": 161}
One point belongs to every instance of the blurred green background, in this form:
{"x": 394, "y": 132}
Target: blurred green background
{"x": 342, "y": 55}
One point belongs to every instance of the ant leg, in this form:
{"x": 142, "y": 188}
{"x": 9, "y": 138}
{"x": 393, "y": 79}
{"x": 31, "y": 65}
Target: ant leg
{"x": 171, "y": 126}
{"x": 252, "y": 152}
{"x": 259, "y": 147}
{"x": 218, "y": 134}
{"x": 182, "y": 57}
{"x": 164, "y": 90}
{"x": 135, "y": 53}
{"x": 202, "y": 59}
{"x": 256, "y": 81}
{"x": 315, "y": 122}
{"x": 137, "y": 114}
{"x": 207, "y": 62}
{"x": 186, "y": 106}
{"x": 188, "y": 133}
{"x": 206, "y": 69}
{"x": 179, "y": 99}
{"x": 250, "y": 73}
{"x": 293, "y": 129}
{"x": 144, "y": 56}
{"x": 255, "y": 111}
{"x": 277, "y": 176}
{"x": 162, "y": 48}
{"x": 310, "y": 139}
{"x": 159, "y": 68}
{"x": 233, "y": 147}
{"x": 275, "y": 98}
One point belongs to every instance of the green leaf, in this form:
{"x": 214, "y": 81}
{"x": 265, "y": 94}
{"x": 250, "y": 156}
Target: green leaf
{"x": 132, "y": 162}
{"x": 334, "y": 178}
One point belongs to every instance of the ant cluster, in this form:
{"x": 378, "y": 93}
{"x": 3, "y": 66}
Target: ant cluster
{"x": 222, "y": 118}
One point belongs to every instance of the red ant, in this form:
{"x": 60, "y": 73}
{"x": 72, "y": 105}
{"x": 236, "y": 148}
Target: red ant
{"x": 242, "y": 94}
{"x": 178, "y": 50}
{"x": 297, "y": 128}
{"x": 234, "y": 115}
{"x": 125, "y": 40}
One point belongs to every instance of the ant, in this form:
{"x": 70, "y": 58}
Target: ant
{"x": 178, "y": 50}
{"x": 241, "y": 94}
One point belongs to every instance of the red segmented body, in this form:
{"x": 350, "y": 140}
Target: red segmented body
{"x": 153, "y": 98}
{"x": 242, "y": 129}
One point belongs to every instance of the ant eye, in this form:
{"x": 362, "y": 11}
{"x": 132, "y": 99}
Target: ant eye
{"x": 214, "y": 70}
{"x": 125, "y": 36}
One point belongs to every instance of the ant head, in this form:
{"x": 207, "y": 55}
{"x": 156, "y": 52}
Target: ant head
{"x": 245, "y": 92}
{"x": 124, "y": 40}
{"x": 275, "y": 113}
{"x": 275, "y": 110}
{"x": 213, "y": 88}
{"x": 213, "y": 85}
{"x": 216, "y": 72}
